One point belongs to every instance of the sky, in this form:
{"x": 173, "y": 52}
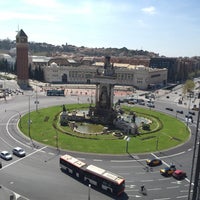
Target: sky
{"x": 168, "y": 27}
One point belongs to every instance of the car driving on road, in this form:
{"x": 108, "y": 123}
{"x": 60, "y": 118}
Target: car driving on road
{"x": 153, "y": 162}
{"x": 168, "y": 171}
{"x": 150, "y": 105}
{"x": 179, "y": 174}
{"x": 18, "y": 151}
{"x": 6, "y": 155}
{"x": 179, "y": 111}
{"x": 170, "y": 109}
{"x": 191, "y": 113}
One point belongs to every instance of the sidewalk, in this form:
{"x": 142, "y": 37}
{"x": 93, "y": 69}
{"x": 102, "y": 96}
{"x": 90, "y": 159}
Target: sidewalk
{"x": 6, "y": 194}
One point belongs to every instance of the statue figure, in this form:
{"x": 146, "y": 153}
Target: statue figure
{"x": 64, "y": 109}
{"x": 133, "y": 118}
{"x": 104, "y": 98}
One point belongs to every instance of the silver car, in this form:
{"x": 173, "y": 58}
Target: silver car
{"x": 6, "y": 155}
{"x": 18, "y": 151}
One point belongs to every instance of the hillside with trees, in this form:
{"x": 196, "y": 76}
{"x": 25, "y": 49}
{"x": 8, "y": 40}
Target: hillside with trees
{"x": 49, "y": 50}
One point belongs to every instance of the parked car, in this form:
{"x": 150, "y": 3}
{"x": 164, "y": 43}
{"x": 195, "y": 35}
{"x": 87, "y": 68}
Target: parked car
{"x": 0, "y": 165}
{"x": 179, "y": 111}
{"x": 151, "y": 105}
{"x": 6, "y": 155}
{"x": 131, "y": 102}
{"x": 179, "y": 174}
{"x": 141, "y": 102}
{"x": 168, "y": 171}
{"x": 170, "y": 109}
{"x": 189, "y": 118}
{"x": 154, "y": 162}
{"x": 191, "y": 112}
{"x": 18, "y": 151}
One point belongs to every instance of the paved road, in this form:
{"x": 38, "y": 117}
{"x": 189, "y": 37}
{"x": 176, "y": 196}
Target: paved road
{"x": 38, "y": 177}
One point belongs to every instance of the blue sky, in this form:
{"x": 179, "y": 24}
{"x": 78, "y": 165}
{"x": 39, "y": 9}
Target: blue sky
{"x": 168, "y": 27}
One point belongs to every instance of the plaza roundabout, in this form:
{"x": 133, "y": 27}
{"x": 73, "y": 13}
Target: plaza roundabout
{"x": 164, "y": 132}
{"x": 38, "y": 174}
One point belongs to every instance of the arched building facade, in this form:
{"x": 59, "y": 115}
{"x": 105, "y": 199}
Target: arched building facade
{"x": 138, "y": 76}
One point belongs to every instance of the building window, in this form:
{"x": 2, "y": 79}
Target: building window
{"x": 155, "y": 75}
{"x": 139, "y": 80}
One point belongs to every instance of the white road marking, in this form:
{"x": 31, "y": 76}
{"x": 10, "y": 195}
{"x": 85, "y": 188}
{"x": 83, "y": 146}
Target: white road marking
{"x": 147, "y": 180}
{"x": 172, "y": 187}
{"x": 154, "y": 189}
{"x": 23, "y": 158}
{"x": 98, "y": 160}
{"x": 163, "y": 179}
{"x": 184, "y": 191}
{"x": 7, "y": 124}
{"x": 180, "y": 197}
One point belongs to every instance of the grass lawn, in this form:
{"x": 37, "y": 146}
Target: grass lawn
{"x": 171, "y": 132}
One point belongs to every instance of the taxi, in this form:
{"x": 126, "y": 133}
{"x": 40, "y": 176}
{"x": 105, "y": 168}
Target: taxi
{"x": 153, "y": 162}
{"x": 168, "y": 171}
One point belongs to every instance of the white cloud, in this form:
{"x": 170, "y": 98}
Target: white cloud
{"x": 149, "y": 10}
{"x": 43, "y": 3}
{"x": 4, "y": 16}
{"x": 58, "y": 8}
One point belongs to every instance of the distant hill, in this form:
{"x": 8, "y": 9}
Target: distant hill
{"x": 51, "y": 50}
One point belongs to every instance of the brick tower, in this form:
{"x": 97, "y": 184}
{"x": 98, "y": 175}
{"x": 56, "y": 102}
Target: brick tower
{"x": 22, "y": 59}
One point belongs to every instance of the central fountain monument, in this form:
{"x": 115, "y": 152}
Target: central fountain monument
{"x": 104, "y": 111}
{"x": 105, "y": 80}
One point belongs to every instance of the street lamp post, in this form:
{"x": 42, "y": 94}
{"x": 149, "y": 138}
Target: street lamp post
{"x": 157, "y": 140}
{"x": 57, "y": 141}
{"x": 195, "y": 159}
{"x": 36, "y": 99}
{"x": 89, "y": 187}
{"x": 127, "y": 146}
{"x": 127, "y": 141}
{"x": 29, "y": 117}
{"x": 190, "y": 96}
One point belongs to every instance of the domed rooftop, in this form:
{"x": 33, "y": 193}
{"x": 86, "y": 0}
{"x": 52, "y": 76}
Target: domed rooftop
{"x": 53, "y": 65}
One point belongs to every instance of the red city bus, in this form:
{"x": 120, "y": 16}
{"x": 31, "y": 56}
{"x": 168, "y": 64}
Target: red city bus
{"x": 90, "y": 174}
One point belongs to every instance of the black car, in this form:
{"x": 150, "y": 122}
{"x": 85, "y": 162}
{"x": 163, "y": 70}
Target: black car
{"x": 189, "y": 117}
{"x": 0, "y": 165}
{"x": 191, "y": 113}
{"x": 154, "y": 162}
{"x": 170, "y": 109}
{"x": 179, "y": 111}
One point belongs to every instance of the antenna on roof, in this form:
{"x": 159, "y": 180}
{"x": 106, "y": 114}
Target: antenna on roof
{"x": 17, "y": 28}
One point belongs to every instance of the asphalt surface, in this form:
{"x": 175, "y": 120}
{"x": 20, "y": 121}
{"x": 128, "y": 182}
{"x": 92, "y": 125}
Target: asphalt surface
{"x": 37, "y": 176}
